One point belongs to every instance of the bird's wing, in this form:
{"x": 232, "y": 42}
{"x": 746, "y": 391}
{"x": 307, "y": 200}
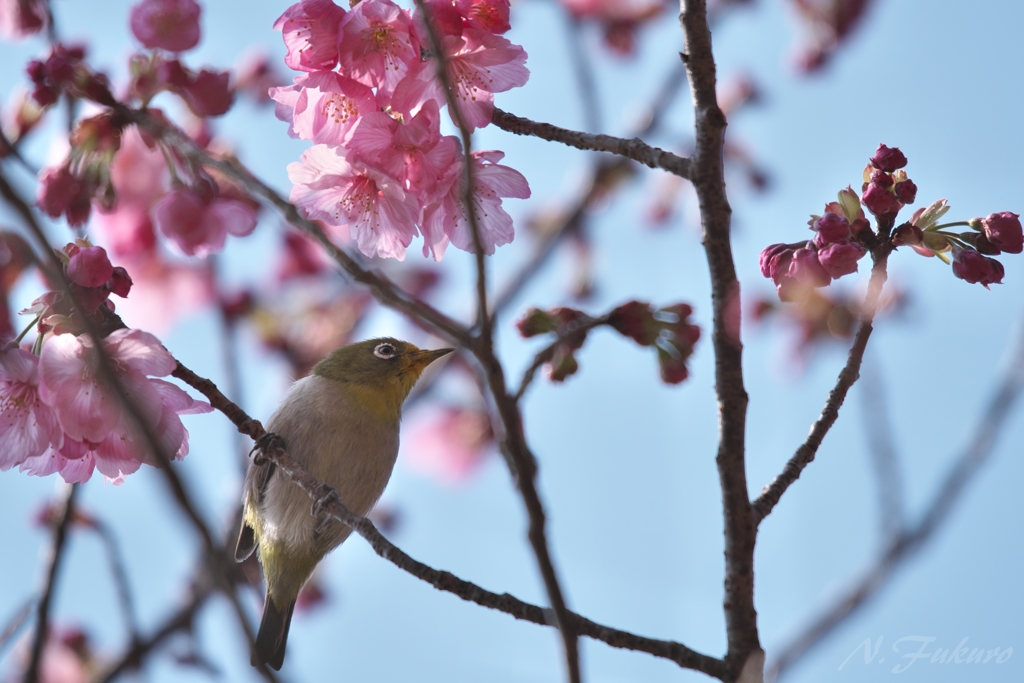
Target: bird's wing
{"x": 256, "y": 481}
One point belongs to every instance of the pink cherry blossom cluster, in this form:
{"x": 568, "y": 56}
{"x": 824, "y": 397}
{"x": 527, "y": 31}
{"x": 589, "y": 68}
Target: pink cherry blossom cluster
{"x": 57, "y": 415}
{"x": 369, "y": 99}
{"x": 56, "y": 412}
{"x": 843, "y": 234}
{"x": 620, "y": 20}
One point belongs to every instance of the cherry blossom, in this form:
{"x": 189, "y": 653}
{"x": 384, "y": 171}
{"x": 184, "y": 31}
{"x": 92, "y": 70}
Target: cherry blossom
{"x": 310, "y": 32}
{"x": 323, "y": 106}
{"x": 451, "y": 444}
{"x": 414, "y": 152}
{"x": 479, "y": 65}
{"x": 377, "y": 45}
{"x": 97, "y": 431}
{"x": 28, "y": 426}
{"x": 340, "y": 191}
{"x": 139, "y": 175}
{"x": 446, "y": 219}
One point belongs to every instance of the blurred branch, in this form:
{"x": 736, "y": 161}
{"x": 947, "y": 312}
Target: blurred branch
{"x": 589, "y": 100}
{"x": 744, "y": 658}
{"x": 60, "y": 535}
{"x": 771, "y": 493}
{"x": 327, "y": 500}
{"x": 16, "y": 622}
{"x": 908, "y": 541}
{"x": 885, "y": 462}
{"x": 635, "y": 149}
{"x": 120, "y": 575}
{"x": 181, "y": 620}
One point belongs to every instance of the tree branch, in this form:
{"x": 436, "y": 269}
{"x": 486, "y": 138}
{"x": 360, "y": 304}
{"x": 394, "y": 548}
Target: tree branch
{"x": 707, "y": 175}
{"x": 771, "y": 493}
{"x": 910, "y": 540}
{"x": 635, "y": 149}
{"x": 441, "y": 580}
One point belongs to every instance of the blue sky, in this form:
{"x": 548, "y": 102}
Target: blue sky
{"x": 627, "y": 464}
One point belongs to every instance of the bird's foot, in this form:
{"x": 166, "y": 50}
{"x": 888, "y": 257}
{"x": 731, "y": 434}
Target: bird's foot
{"x": 319, "y": 510}
{"x": 263, "y": 444}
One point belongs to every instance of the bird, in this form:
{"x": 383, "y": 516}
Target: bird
{"x": 341, "y": 424}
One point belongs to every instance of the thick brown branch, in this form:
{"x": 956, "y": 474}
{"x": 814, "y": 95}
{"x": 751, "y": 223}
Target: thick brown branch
{"x": 708, "y": 178}
{"x": 635, "y": 149}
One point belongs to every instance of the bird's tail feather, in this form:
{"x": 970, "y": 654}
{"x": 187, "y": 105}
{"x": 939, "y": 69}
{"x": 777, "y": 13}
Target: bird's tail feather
{"x": 273, "y": 635}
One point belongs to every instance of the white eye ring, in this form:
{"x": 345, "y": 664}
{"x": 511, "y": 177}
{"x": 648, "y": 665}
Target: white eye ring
{"x": 385, "y": 351}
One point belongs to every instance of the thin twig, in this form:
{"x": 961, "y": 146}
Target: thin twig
{"x": 907, "y": 543}
{"x": 60, "y": 535}
{"x": 120, "y": 575}
{"x": 885, "y": 463}
{"x": 589, "y": 100}
{"x": 635, "y": 149}
{"x": 803, "y": 456}
{"x": 14, "y": 625}
{"x": 441, "y": 580}
{"x": 576, "y": 333}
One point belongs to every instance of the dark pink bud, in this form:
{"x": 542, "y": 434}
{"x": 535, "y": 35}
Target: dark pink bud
{"x": 970, "y": 266}
{"x": 775, "y": 259}
{"x": 44, "y": 95}
{"x": 831, "y": 228}
{"x": 90, "y": 267}
{"x": 888, "y": 158}
{"x": 171, "y": 25}
{"x": 120, "y": 282}
{"x": 841, "y": 258}
{"x": 636, "y": 321}
{"x": 21, "y": 18}
{"x": 907, "y": 234}
{"x": 173, "y": 74}
{"x": 881, "y": 178}
{"x": 806, "y": 268}
{"x": 36, "y": 71}
{"x": 879, "y": 200}
{"x": 906, "y": 191}
{"x": 983, "y": 246}
{"x": 1003, "y": 230}
{"x": 672, "y": 363}
{"x": 209, "y": 93}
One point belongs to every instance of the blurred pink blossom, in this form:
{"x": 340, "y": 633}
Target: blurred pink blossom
{"x": 199, "y": 225}
{"x": 171, "y": 25}
{"x": 451, "y": 444}
{"x": 21, "y": 18}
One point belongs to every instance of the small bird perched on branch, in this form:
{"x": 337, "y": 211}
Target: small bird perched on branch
{"x": 341, "y": 424}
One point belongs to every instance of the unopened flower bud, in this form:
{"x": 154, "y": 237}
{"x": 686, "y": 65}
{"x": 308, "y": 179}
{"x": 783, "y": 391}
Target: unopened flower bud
{"x": 636, "y": 321}
{"x": 806, "y": 268}
{"x": 983, "y": 245}
{"x": 888, "y": 158}
{"x": 879, "y": 200}
{"x": 1003, "y": 230}
{"x": 841, "y": 258}
{"x": 907, "y": 234}
{"x": 831, "y": 228}
{"x": 120, "y": 282}
{"x": 972, "y": 267}
{"x": 90, "y": 267}
{"x": 906, "y": 191}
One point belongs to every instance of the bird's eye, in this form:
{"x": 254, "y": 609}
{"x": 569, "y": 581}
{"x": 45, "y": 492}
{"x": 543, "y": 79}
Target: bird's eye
{"x": 385, "y": 351}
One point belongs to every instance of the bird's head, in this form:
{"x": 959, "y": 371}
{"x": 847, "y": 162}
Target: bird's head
{"x": 382, "y": 369}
